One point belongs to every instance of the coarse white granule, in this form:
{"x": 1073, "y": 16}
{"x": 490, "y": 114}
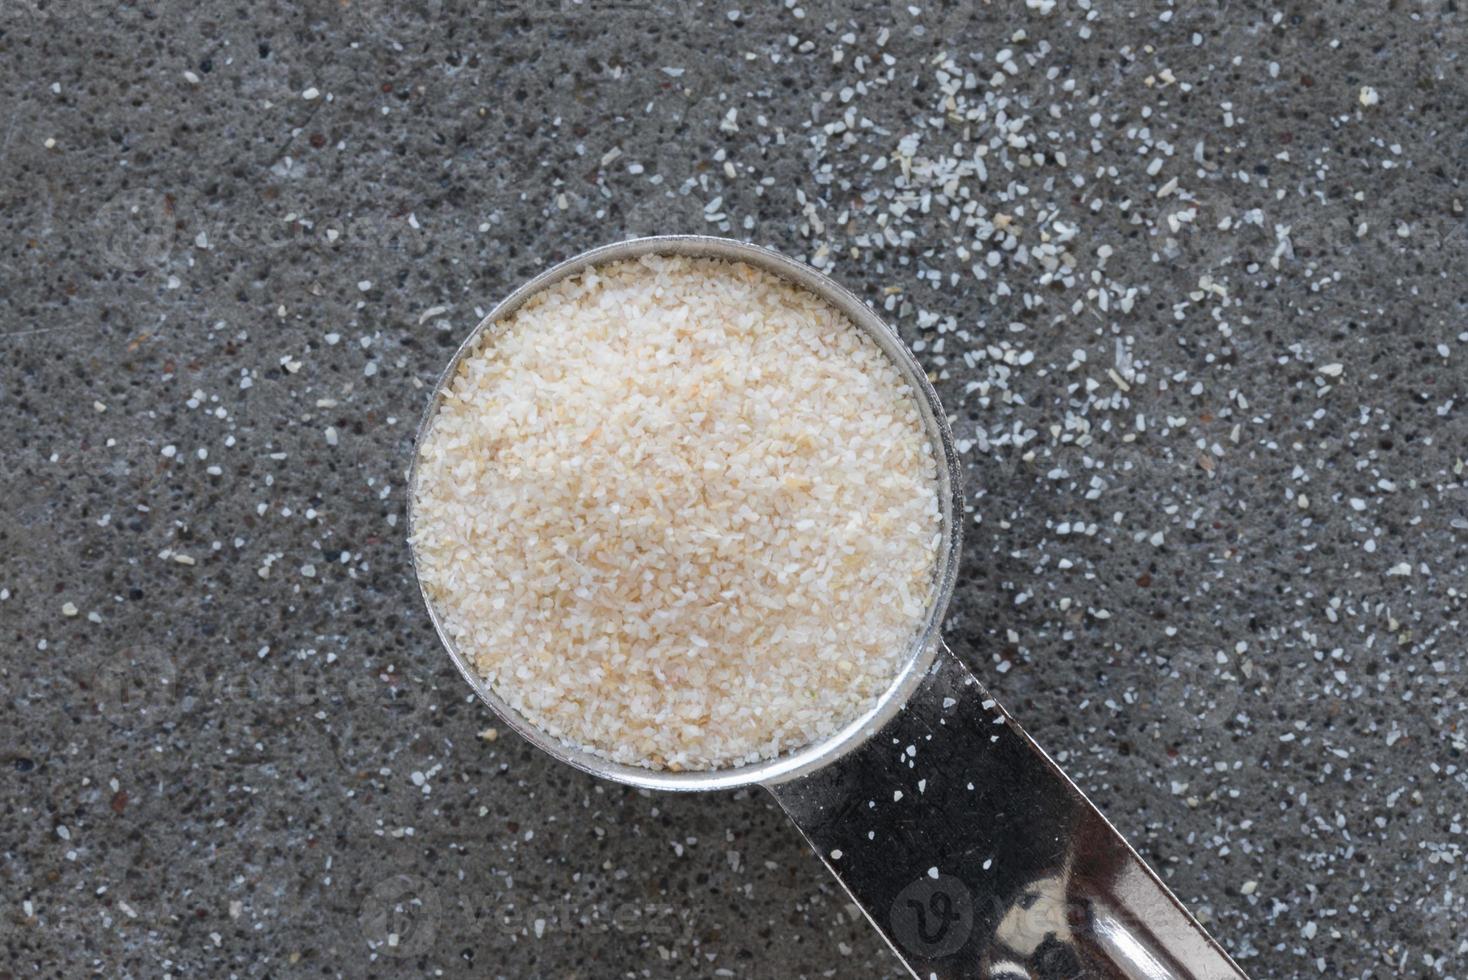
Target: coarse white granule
{"x": 679, "y": 512}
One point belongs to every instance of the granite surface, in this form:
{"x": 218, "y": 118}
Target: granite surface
{"x": 1189, "y": 278}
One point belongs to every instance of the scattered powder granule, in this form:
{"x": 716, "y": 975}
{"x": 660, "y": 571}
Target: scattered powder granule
{"x": 679, "y": 512}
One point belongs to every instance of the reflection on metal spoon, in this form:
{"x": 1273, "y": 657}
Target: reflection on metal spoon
{"x": 950, "y": 806}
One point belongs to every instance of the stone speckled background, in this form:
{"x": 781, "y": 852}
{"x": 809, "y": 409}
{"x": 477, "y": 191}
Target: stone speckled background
{"x": 1200, "y": 317}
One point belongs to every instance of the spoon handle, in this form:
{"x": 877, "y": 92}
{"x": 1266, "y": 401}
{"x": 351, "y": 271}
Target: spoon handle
{"x": 975, "y": 856}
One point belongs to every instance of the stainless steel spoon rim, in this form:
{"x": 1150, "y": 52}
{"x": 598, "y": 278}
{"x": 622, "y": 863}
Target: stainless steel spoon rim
{"x": 924, "y": 644}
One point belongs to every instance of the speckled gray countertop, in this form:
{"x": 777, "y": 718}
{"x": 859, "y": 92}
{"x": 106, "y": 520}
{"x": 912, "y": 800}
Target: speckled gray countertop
{"x": 1190, "y": 279}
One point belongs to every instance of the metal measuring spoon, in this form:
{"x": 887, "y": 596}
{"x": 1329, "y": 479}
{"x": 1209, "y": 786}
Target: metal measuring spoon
{"x": 965, "y": 845}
